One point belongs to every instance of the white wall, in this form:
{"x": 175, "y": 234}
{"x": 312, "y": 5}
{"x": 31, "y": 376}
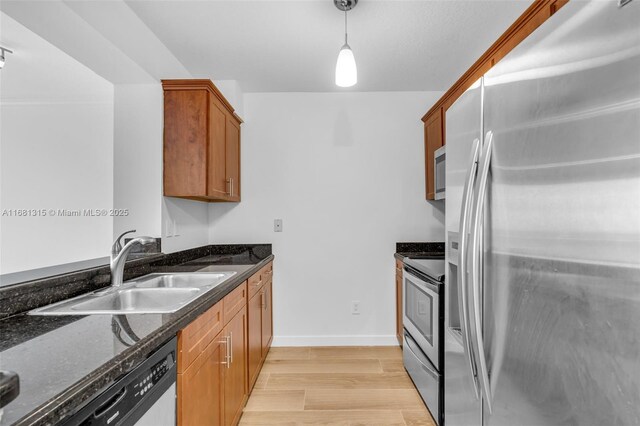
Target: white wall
{"x": 345, "y": 172}
{"x": 137, "y": 181}
{"x": 56, "y": 152}
{"x": 183, "y": 224}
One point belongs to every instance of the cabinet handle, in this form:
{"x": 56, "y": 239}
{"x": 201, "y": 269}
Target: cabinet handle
{"x": 226, "y": 351}
{"x": 230, "y": 182}
{"x": 230, "y": 347}
{"x": 259, "y": 283}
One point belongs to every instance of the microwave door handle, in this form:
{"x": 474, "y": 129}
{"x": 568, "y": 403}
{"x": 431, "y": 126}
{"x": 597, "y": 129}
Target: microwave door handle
{"x": 475, "y": 271}
{"x": 462, "y": 260}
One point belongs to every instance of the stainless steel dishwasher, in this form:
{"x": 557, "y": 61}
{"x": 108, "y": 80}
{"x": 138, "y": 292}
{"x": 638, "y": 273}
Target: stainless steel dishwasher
{"x": 146, "y": 396}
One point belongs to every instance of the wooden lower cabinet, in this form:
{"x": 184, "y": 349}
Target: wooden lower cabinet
{"x": 201, "y": 387}
{"x": 254, "y": 349}
{"x": 220, "y": 354}
{"x": 235, "y": 382}
{"x": 260, "y": 319}
{"x": 399, "y": 314}
{"x": 267, "y": 319}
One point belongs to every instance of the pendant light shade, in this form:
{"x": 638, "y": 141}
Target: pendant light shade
{"x": 346, "y": 69}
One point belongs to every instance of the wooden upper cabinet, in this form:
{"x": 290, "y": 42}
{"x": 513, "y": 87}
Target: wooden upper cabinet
{"x": 217, "y": 186}
{"x": 232, "y": 149}
{"x": 433, "y": 139}
{"x": 185, "y": 143}
{"x": 201, "y": 142}
{"x": 434, "y": 119}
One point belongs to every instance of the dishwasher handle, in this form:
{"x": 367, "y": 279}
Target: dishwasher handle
{"x": 115, "y": 400}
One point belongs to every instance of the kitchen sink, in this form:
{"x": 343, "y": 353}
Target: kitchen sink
{"x": 182, "y": 280}
{"x": 150, "y": 294}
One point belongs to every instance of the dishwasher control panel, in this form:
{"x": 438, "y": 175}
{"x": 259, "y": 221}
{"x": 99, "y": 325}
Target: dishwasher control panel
{"x": 145, "y": 381}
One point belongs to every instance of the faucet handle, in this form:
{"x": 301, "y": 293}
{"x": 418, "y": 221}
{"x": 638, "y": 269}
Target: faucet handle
{"x": 117, "y": 245}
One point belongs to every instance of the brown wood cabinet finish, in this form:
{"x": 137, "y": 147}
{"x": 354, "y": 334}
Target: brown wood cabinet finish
{"x": 433, "y": 139}
{"x": 201, "y": 142}
{"x": 201, "y": 388}
{"x": 193, "y": 339}
{"x": 235, "y": 381}
{"x": 399, "y": 326}
{"x": 185, "y": 146}
{"x": 254, "y": 338}
{"x": 267, "y": 319}
{"x": 217, "y": 186}
{"x": 532, "y": 18}
{"x": 234, "y": 302}
{"x": 232, "y": 145}
{"x": 260, "y": 320}
{"x": 220, "y": 354}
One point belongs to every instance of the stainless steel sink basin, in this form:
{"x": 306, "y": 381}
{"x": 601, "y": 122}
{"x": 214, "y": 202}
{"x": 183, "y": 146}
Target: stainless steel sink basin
{"x": 182, "y": 280}
{"x": 151, "y": 294}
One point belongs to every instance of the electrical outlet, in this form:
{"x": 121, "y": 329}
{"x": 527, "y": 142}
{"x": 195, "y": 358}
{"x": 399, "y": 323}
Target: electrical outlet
{"x": 277, "y": 225}
{"x": 355, "y": 307}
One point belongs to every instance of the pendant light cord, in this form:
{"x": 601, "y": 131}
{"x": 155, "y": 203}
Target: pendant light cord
{"x": 344, "y": 2}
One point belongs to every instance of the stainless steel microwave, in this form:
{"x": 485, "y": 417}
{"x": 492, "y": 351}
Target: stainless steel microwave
{"x": 439, "y": 174}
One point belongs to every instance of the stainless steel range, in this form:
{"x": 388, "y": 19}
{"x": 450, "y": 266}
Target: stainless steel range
{"x": 423, "y": 319}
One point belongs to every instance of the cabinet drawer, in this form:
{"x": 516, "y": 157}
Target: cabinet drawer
{"x": 194, "y": 338}
{"x": 234, "y": 302}
{"x": 254, "y": 283}
{"x": 267, "y": 273}
{"x": 399, "y": 266}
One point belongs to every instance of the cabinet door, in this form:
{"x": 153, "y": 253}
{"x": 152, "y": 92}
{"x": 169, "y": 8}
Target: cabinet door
{"x": 216, "y": 178}
{"x": 433, "y": 139}
{"x": 201, "y": 387}
{"x": 233, "y": 158}
{"x": 185, "y": 148}
{"x": 235, "y": 383}
{"x": 254, "y": 336}
{"x": 267, "y": 319}
{"x": 399, "y": 326}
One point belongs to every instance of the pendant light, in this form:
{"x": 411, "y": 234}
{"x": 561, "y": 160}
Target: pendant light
{"x": 346, "y": 70}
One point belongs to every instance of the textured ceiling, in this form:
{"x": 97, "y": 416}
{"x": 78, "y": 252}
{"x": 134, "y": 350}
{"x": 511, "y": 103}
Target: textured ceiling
{"x": 292, "y": 46}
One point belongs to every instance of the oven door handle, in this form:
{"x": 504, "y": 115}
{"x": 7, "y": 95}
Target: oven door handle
{"x": 422, "y": 283}
{"x": 463, "y": 303}
{"x": 409, "y": 343}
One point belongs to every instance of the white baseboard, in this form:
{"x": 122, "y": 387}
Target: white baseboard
{"x": 334, "y": 341}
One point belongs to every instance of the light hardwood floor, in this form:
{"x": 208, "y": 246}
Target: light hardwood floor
{"x": 344, "y": 386}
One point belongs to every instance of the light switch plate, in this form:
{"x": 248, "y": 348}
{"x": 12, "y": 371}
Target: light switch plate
{"x": 277, "y": 225}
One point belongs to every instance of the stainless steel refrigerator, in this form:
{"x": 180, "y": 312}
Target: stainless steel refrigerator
{"x": 542, "y": 308}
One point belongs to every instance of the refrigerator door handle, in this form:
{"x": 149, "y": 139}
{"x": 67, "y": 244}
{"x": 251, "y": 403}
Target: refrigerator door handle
{"x": 463, "y": 304}
{"x": 483, "y": 373}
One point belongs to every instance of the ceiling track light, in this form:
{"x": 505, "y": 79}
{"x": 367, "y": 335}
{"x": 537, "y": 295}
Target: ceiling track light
{"x": 346, "y": 70}
{"x": 3, "y": 50}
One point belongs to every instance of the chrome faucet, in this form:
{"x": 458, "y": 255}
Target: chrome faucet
{"x": 119, "y": 256}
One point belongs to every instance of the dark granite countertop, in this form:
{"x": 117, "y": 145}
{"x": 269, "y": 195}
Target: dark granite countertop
{"x": 419, "y": 250}
{"x": 63, "y": 361}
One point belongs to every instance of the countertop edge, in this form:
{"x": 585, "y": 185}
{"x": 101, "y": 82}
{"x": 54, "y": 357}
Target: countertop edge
{"x": 61, "y": 406}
